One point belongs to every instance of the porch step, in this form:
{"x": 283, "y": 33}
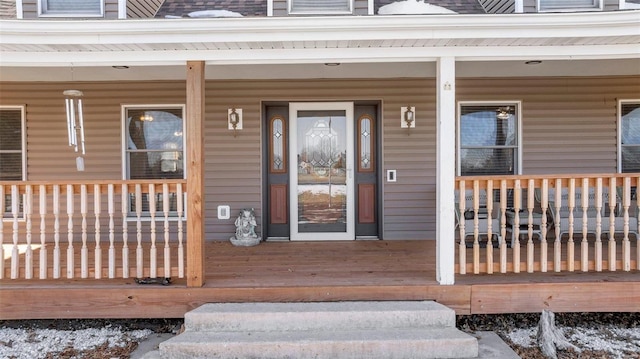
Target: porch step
{"x": 397, "y": 329}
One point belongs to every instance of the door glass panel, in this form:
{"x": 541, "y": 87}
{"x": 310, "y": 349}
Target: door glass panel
{"x": 321, "y": 157}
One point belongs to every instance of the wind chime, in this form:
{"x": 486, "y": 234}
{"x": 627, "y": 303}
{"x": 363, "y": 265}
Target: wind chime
{"x": 75, "y": 124}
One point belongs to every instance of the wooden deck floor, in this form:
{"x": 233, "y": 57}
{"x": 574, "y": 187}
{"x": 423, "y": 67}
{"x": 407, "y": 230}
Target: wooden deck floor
{"x": 322, "y": 271}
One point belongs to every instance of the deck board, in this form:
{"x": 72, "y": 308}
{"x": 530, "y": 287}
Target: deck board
{"x": 321, "y": 271}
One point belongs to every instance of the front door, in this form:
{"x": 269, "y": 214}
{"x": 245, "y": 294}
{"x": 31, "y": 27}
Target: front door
{"x": 321, "y": 175}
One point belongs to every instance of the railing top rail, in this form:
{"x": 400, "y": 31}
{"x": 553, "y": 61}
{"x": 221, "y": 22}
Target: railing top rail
{"x": 89, "y": 184}
{"x": 536, "y": 180}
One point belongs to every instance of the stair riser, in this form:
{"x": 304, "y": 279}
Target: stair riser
{"x": 455, "y": 348}
{"x": 242, "y": 322}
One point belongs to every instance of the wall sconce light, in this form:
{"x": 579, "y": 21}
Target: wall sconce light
{"x": 234, "y": 116}
{"x": 407, "y": 117}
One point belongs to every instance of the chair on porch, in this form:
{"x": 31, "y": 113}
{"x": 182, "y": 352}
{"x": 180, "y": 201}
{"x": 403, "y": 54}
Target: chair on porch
{"x": 560, "y": 219}
{"x": 483, "y": 217}
{"x": 634, "y": 214}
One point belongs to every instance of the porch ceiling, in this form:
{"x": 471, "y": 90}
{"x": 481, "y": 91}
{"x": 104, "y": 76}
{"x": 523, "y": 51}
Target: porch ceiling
{"x": 609, "y": 35}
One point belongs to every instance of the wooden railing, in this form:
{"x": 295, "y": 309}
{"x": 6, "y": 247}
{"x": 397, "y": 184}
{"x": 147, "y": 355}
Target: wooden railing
{"x": 100, "y": 225}
{"x": 534, "y": 223}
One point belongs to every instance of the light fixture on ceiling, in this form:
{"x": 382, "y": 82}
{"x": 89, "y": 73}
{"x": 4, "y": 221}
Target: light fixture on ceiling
{"x": 120, "y": 67}
{"x": 407, "y": 117}
{"x": 331, "y": 64}
{"x": 234, "y": 117}
{"x": 146, "y": 117}
{"x": 533, "y": 62}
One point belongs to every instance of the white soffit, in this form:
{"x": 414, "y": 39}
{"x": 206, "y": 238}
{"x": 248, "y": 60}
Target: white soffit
{"x": 291, "y": 40}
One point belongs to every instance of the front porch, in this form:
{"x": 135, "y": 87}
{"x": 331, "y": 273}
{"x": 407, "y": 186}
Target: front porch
{"x": 321, "y": 271}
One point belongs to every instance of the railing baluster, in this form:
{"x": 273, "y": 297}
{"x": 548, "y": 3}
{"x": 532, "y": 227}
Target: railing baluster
{"x": 152, "y": 213}
{"x": 557, "y": 244}
{"x": 112, "y": 231}
{"x": 517, "y": 205}
{"x": 97, "y": 199}
{"x": 503, "y": 225}
{"x": 42, "y": 206}
{"x": 27, "y": 207}
{"x": 15, "y": 210}
{"x": 544, "y": 204}
{"x": 626, "y": 244}
{"x": 530, "y": 206}
{"x": 139, "y": 252}
{"x": 476, "y": 223}
{"x": 490, "y": 229}
{"x": 612, "y": 224}
{"x": 570, "y": 244}
{"x": 84, "y": 251}
{"x": 56, "y": 232}
{"x": 2, "y": 260}
{"x": 125, "y": 231}
{"x": 598, "y": 245}
{"x": 462, "y": 247}
{"x": 167, "y": 250}
{"x": 180, "y": 208}
{"x": 70, "y": 250}
{"x": 584, "y": 245}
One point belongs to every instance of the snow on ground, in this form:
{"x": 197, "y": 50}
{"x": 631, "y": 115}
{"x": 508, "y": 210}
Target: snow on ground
{"x": 37, "y": 343}
{"x": 620, "y": 342}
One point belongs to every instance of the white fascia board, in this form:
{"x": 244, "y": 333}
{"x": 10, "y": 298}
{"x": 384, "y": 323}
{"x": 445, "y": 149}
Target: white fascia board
{"x": 615, "y": 23}
{"x": 302, "y": 56}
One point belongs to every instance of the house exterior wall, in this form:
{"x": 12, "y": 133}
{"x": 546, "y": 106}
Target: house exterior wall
{"x": 30, "y": 9}
{"x": 280, "y": 7}
{"x": 569, "y": 126}
{"x": 609, "y": 5}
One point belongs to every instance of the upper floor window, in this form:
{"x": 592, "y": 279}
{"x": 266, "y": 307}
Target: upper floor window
{"x": 71, "y": 8}
{"x": 563, "y": 5}
{"x": 320, "y": 6}
{"x": 629, "y": 136}
{"x": 488, "y": 138}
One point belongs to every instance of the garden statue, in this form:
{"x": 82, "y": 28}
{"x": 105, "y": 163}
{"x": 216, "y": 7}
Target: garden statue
{"x": 246, "y": 229}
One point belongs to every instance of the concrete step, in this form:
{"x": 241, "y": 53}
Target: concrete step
{"x": 413, "y": 343}
{"x": 328, "y": 316}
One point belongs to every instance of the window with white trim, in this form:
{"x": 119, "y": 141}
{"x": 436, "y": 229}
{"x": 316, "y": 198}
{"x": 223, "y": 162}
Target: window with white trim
{"x": 12, "y": 151}
{"x": 320, "y": 6}
{"x": 629, "y": 136}
{"x": 71, "y": 8}
{"x": 154, "y": 148}
{"x": 563, "y": 5}
{"x": 488, "y": 138}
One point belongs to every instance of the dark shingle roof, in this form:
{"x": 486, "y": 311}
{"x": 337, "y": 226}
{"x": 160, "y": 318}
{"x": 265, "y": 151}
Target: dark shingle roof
{"x": 184, "y": 7}
{"x": 459, "y": 6}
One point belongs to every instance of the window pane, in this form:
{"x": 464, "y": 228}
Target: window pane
{"x": 366, "y": 160}
{"x": 10, "y": 130}
{"x": 10, "y": 166}
{"x": 320, "y": 5}
{"x": 486, "y": 126}
{"x": 156, "y": 164}
{"x": 565, "y": 4}
{"x": 630, "y": 132}
{"x": 277, "y": 145}
{"x": 155, "y": 129}
{"x": 631, "y": 159}
{"x": 487, "y": 161}
{"x": 72, "y": 6}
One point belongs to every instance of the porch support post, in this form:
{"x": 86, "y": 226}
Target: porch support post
{"x": 195, "y": 173}
{"x": 445, "y": 170}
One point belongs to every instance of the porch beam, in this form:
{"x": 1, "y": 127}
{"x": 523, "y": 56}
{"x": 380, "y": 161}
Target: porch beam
{"x": 445, "y": 170}
{"x": 195, "y": 173}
